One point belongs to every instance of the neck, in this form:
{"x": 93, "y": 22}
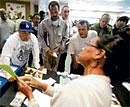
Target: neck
{"x": 94, "y": 70}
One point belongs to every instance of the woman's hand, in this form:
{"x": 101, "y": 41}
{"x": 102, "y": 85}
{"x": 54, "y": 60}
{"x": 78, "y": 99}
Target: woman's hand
{"x": 25, "y": 89}
{"x": 34, "y": 82}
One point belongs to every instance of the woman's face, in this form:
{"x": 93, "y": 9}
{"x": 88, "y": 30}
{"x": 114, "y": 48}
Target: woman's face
{"x": 87, "y": 55}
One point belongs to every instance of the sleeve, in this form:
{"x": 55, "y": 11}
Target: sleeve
{"x": 41, "y": 31}
{"x": 71, "y": 46}
{"x": 7, "y": 50}
{"x": 33, "y": 103}
{"x": 35, "y": 52}
{"x": 65, "y": 37}
{"x": 50, "y": 91}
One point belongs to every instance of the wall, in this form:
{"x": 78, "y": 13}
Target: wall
{"x": 27, "y": 5}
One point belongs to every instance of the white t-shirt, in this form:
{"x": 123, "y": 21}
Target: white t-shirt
{"x": 16, "y": 51}
{"x": 87, "y": 91}
{"x": 77, "y": 43}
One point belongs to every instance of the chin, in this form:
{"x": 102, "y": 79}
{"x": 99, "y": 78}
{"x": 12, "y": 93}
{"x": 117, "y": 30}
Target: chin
{"x": 25, "y": 40}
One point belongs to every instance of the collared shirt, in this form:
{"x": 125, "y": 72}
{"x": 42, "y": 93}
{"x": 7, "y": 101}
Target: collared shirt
{"x": 57, "y": 34}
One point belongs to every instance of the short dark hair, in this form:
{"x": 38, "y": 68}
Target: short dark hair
{"x": 41, "y": 12}
{"x": 123, "y": 18}
{"x": 83, "y": 22}
{"x": 53, "y": 3}
{"x": 35, "y": 15}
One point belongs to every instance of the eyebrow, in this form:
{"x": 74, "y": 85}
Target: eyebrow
{"x": 92, "y": 46}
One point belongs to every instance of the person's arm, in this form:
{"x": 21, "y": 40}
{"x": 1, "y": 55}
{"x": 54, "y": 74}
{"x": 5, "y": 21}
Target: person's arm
{"x": 74, "y": 61}
{"x": 41, "y": 31}
{"x": 65, "y": 37}
{"x": 7, "y": 52}
{"x": 27, "y": 91}
{"x": 49, "y": 90}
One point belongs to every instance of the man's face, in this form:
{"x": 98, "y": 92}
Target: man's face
{"x": 120, "y": 24}
{"x": 83, "y": 30}
{"x": 24, "y": 36}
{"x": 3, "y": 15}
{"x": 104, "y": 22}
{"x": 65, "y": 13}
{"x": 54, "y": 12}
{"x": 36, "y": 20}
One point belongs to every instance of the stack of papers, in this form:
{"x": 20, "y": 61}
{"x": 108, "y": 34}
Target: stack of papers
{"x": 42, "y": 99}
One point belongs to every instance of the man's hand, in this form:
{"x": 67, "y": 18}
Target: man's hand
{"x": 75, "y": 65}
{"x": 49, "y": 52}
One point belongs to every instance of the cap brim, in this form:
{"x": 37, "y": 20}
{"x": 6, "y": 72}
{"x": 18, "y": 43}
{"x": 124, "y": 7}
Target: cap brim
{"x": 25, "y": 30}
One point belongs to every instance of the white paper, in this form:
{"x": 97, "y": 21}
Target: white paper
{"x": 42, "y": 99}
{"x": 13, "y": 68}
{"x": 126, "y": 85}
{"x": 44, "y": 70}
{"x": 3, "y": 73}
{"x": 18, "y": 100}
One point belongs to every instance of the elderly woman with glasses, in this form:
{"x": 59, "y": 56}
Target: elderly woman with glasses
{"x": 90, "y": 90}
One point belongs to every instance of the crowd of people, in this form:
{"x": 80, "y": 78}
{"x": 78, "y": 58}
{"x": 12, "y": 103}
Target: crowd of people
{"x": 98, "y": 52}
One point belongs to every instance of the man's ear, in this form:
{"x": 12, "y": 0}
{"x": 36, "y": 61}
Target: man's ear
{"x": 99, "y": 53}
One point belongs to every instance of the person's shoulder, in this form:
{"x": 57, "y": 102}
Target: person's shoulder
{"x": 109, "y": 27}
{"x": 14, "y": 37}
{"x": 45, "y": 22}
{"x": 92, "y": 33}
{"x": 75, "y": 37}
{"x": 33, "y": 37}
{"x": 94, "y": 25}
{"x": 61, "y": 21}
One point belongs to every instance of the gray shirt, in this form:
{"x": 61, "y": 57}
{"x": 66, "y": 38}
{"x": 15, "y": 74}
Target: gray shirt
{"x": 57, "y": 34}
{"x": 6, "y": 29}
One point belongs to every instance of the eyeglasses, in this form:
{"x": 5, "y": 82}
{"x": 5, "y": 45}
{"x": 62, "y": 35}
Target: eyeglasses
{"x": 90, "y": 45}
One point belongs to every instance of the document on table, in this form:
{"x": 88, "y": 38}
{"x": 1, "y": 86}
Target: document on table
{"x": 42, "y": 99}
{"x": 3, "y": 73}
{"x": 126, "y": 85}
